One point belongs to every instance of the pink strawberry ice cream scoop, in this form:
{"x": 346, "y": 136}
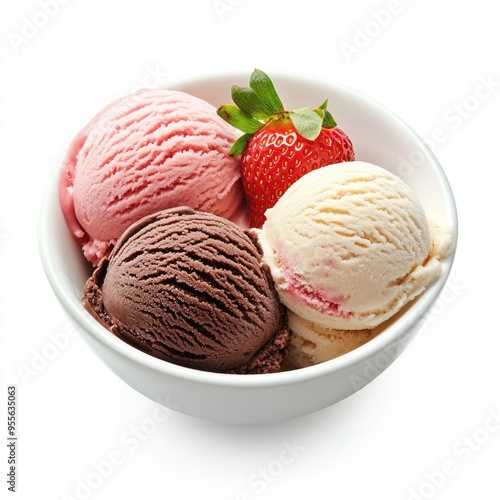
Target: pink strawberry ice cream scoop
{"x": 150, "y": 151}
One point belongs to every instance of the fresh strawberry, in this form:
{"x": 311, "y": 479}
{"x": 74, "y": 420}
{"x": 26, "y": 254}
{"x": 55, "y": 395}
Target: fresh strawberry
{"x": 278, "y": 146}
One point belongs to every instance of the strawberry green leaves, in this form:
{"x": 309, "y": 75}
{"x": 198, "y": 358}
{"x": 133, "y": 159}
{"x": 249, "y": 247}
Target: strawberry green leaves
{"x": 259, "y": 104}
{"x": 264, "y": 88}
{"x": 307, "y": 122}
{"x": 240, "y": 144}
{"x": 260, "y": 101}
{"x": 328, "y": 121}
{"x": 239, "y": 119}
{"x": 248, "y": 101}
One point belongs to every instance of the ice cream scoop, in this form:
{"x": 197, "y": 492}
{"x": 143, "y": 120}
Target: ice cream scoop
{"x": 348, "y": 246}
{"x": 311, "y": 343}
{"x": 190, "y": 288}
{"x": 149, "y": 151}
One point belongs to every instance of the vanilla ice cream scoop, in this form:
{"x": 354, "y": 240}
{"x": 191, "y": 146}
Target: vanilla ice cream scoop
{"x": 348, "y": 246}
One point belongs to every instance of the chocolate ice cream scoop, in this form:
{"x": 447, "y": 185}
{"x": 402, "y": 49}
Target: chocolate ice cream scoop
{"x": 190, "y": 288}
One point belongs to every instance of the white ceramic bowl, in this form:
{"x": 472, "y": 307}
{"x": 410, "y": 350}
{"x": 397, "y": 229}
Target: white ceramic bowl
{"x": 379, "y": 137}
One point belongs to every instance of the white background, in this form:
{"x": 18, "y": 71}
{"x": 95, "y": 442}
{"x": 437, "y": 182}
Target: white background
{"x": 426, "y": 427}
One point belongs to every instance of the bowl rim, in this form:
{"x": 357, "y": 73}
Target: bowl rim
{"x": 394, "y": 333}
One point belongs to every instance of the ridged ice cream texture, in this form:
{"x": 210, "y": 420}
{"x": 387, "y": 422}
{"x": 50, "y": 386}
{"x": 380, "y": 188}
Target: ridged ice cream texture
{"x": 349, "y": 245}
{"x": 311, "y": 343}
{"x": 152, "y": 150}
{"x": 191, "y": 288}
